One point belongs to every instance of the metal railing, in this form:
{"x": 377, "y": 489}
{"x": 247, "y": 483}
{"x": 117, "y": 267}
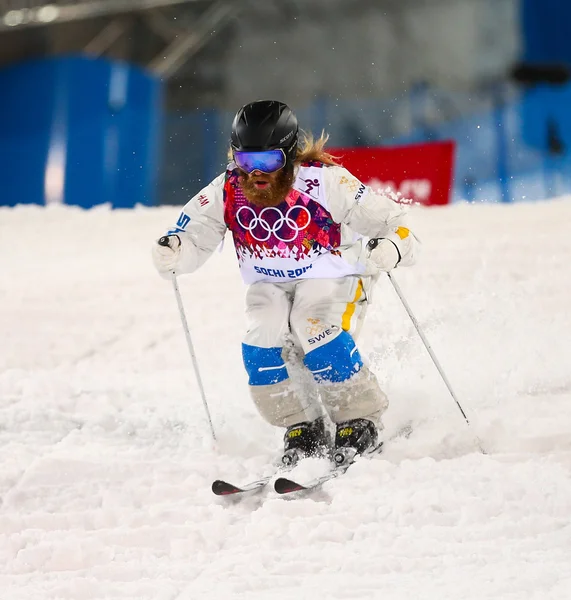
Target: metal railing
{"x": 34, "y": 13}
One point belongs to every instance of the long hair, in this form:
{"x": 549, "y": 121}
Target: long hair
{"x": 311, "y": 149}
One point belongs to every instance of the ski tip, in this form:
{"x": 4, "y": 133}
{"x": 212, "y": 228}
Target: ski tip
{"x": 223, "y": 488}
{"x": 282, "y": 485}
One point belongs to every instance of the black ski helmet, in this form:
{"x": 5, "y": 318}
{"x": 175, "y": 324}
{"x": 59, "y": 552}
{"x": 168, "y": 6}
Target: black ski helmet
{"x": 265, "y": 125}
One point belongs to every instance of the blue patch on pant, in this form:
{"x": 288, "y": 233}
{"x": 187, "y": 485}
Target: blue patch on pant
{"x": 264, "y": 365}
{"x": 338, "y": 360}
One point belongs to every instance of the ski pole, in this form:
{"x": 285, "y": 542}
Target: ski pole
{"x": 164, "y": 241}
{"x": 431, "y": 352}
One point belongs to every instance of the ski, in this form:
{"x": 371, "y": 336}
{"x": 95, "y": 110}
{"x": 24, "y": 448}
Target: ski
{"x": 283, "y": 485}
{"x": 224, "y": 488}
{"x": 286, "y": 485}
{"x": 342, "y": 460}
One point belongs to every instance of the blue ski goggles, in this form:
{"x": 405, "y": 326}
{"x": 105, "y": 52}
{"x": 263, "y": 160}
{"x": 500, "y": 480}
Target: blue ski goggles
{"x": 266, "y": 161}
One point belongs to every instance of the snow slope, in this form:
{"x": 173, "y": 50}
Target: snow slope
{"x": 105, "y": 457}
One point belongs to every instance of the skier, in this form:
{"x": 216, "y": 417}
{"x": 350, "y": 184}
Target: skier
{"x": 300, "y": 224}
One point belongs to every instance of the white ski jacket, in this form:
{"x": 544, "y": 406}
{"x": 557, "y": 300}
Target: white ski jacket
{"x": 320, "y": 230}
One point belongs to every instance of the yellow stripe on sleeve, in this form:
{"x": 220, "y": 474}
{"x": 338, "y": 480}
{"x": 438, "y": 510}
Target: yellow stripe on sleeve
{"x": 350, "y": 310}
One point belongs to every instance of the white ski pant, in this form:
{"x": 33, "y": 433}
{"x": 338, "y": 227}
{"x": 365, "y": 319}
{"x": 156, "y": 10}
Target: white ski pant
{"x": 301, "y": 334}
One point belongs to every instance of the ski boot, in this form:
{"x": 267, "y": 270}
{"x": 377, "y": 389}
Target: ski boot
{"x": 302, "y": 440}
{"x": 352, "y": 438}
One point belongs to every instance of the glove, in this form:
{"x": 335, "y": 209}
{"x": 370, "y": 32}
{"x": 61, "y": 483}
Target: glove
{"x": 383, "y": 254}
{"x": 166, "y": 253}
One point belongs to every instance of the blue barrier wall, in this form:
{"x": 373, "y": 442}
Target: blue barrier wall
{"x": 84, "y": 132}
{"x": 79, "y": 131}
{"x": 502, "y": 150}
{"x": 546, "y": 31}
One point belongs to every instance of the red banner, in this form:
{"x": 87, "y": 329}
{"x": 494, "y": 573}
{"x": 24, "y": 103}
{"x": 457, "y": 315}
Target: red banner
{"x": 420, "y": 172}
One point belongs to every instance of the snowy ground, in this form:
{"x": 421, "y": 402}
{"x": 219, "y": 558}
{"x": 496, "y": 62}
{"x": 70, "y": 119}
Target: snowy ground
{"x": 106, "y": 462}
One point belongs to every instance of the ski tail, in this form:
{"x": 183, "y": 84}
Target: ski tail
{"x": 283, "y": 485}
{"x": 225, "y": 488}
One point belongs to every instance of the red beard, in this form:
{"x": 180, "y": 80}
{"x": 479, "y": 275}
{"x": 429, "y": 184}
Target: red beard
{"x": 272, "y": 193}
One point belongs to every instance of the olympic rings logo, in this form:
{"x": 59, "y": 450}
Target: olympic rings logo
{"x": 269, "y": 229}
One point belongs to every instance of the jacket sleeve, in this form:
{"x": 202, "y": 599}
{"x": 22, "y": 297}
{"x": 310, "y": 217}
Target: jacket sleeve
{"x": 369, "y": 213}
{"x": 200, "y": 226}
